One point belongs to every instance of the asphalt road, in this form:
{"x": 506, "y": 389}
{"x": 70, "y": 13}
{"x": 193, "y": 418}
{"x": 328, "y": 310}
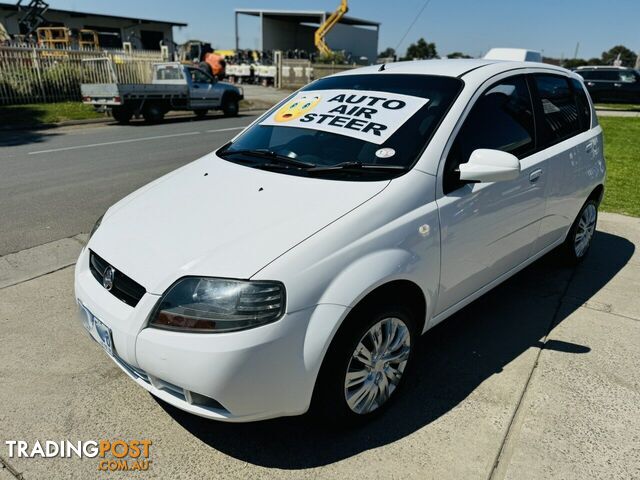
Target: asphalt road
{"x": 55, "y": 183}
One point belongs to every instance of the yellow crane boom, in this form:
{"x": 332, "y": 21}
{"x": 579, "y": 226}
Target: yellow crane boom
{"x": 327, "y": 25}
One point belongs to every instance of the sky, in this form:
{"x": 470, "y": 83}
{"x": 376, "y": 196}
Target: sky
{"x": 470, "y": 26}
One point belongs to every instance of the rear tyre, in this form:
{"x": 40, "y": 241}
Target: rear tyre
{"x": 121, "y": 114}
{"x": 201, "y": 113}
{"x": 578, "y": 242}
{"x": 153, "y": 113}
{"x": 230, "y": 106}
{"x": 365, "y": 365}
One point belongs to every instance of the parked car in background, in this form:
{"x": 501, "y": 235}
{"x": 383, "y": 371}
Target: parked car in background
{"x": 174, "y": 86}
{"x": 611, "y": 84}
{"x": 296, "y": 266}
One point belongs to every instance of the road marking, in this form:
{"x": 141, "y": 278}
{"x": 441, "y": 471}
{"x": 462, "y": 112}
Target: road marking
{"x": 115, "y": 142}
{"x": 131, "y": 140}
{"x": 226, "y": 129}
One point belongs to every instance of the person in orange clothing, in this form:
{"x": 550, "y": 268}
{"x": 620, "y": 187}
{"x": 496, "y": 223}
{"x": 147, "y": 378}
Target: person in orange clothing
{"x": 214, "y": 64}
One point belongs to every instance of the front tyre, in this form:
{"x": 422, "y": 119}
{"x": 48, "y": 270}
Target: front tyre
{"x": 365, "y": 365}
{"x": 230, "y": 106}
{"x": 579, "y": 238}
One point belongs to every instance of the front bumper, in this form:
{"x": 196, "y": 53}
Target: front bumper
{"x": 239, "y": 376}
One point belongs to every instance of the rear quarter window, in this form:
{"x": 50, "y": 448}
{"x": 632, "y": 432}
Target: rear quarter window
{"x": 559, "y": 109}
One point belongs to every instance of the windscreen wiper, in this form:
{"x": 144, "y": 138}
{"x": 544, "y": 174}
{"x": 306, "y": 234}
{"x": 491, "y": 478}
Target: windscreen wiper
{"x": 357, "y": 166}
{"x": 273, "y": 157}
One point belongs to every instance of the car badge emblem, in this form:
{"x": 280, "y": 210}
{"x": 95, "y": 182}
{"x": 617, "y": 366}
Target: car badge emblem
{"x": 107, "y": 278}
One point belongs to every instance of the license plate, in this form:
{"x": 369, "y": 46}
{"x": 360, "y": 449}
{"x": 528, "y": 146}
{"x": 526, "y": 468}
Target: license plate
{"x": 98, "y": 330}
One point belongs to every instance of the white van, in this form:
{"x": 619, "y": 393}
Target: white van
{"x": 514, "y": 54}
{"x": 296, "y": 266}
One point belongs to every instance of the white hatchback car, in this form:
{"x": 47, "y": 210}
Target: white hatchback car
{"x": 296, "y": 266}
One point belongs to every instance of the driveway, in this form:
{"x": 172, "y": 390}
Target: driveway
{"x": 537, "y": 379}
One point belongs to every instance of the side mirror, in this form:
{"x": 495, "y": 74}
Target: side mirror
{"x": 490, "y": 166}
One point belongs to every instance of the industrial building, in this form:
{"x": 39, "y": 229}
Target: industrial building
{"x": 112, "y": 30}
{"x": 294, "y": 30}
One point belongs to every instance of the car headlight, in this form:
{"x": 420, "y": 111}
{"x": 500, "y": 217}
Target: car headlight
{"x": 217, "y": 305}
{"x": 95, "y": 227}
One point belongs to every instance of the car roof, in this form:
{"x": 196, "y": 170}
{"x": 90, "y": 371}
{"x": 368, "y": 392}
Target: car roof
{"x": 450, "y": 67}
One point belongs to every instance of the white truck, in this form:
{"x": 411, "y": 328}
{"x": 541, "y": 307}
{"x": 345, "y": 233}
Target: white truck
{"x": 174, "y": 86}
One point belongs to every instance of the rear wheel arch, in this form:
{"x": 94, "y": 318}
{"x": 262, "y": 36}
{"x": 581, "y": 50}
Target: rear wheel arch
{"x": 597, "y": 194}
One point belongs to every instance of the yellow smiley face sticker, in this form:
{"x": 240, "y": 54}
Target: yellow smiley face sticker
{"x": 296, "y": 108}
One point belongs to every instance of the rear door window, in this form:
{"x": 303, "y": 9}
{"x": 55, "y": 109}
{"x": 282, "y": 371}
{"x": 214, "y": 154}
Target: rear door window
{"x": 584, "y": 108}
{"x": 559, "y": 108}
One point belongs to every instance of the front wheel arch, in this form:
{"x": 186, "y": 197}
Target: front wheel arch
{"x": 404, "y": 292}
{"x": 395, "y": 297}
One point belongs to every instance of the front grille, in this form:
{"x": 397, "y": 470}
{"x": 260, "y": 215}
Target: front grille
{"x": 124, "y": 288}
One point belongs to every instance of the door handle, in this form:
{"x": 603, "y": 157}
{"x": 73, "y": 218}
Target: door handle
{"x": 196, "y": 86}
{"x": 535, "y": 175}
{"x": 617, "y": 84}
{"x": 588, "y": 147}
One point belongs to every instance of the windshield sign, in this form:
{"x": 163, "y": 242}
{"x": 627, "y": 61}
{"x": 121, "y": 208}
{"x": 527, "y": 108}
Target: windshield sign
{"x": 367, "y": 115}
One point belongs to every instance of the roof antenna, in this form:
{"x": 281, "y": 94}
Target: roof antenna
{"x": 381, "y": 69}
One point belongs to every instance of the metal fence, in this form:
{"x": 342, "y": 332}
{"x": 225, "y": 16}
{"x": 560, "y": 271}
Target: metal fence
{"x": 31, "y": 74}
{"x": 297, "y": 73}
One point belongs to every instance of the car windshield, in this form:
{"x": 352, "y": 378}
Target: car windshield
{"x": 360, "y": 127}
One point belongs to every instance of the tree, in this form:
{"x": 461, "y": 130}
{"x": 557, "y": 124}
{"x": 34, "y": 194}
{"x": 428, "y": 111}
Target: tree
{"x": 421, "y": 50}
{"x": 627, "y": 57}
{"x": 458, "y": 55}
{"x": 387, "y": 53}
{"x": 572, "y": 63}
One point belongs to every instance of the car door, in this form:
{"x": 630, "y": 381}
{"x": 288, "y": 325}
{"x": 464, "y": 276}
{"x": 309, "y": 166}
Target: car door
{"x": 600, "y": 84}
{"x": 609, "y": 83}
{"x": 628, "y": 85}
{"x": 202, "y": 91}
{"x": 564, "y": 119}
{"x": 487, "y": 229}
